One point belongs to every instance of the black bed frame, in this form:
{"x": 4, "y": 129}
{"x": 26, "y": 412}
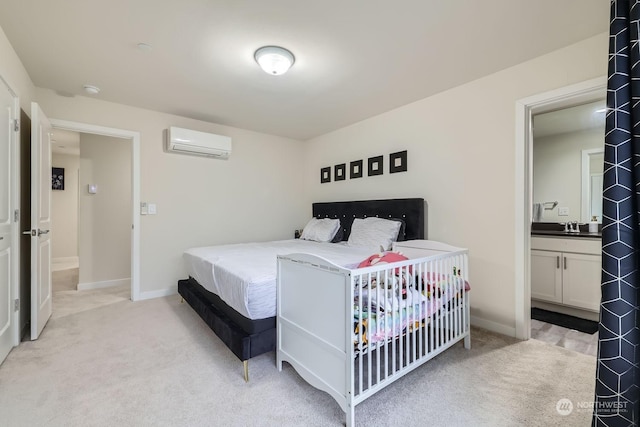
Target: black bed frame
{"x": 248, "y": 338}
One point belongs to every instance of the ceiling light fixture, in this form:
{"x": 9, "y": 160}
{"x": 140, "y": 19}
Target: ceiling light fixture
{"x": 274, "y": 60}
{"x": 91, "y": 90}
{"x": 146, "y": 47}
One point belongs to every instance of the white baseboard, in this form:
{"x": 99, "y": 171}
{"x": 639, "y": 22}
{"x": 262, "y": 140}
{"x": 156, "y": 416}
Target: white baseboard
{"x": 104, "y": 284}
{"x": 65, "y": 259}
{"x": 492, "y": 326}
{"x": 156, "y": 294}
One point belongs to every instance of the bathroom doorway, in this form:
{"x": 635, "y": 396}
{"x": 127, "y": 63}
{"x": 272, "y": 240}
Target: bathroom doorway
{"x": 578, "y": 94}
{"x": 566, "y": 243}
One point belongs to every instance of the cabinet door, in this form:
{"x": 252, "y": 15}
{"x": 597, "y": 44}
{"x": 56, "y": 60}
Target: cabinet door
{"x": 581, "y": 281}
{"x": 546, "y": 276}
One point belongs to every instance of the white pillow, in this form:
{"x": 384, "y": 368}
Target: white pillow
{"x": 320, "y": 230}
{"x": 374, "y": 232}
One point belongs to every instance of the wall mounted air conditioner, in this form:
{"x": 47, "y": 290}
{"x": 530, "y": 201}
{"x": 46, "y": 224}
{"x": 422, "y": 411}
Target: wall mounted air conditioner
{"x": 185, "y": 141}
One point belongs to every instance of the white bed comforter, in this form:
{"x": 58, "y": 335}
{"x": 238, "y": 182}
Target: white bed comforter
{"x": 244, "y": 275}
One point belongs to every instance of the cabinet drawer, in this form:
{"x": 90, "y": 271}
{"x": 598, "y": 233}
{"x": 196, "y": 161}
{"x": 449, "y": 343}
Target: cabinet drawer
{"x": 559, "y": 244}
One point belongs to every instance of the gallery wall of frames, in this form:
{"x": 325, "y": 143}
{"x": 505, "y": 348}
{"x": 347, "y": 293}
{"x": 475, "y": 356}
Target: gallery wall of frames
{"x": 375, "y": 166}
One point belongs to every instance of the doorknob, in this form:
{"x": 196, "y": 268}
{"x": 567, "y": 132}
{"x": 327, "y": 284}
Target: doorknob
{"x": 40, "y": 232}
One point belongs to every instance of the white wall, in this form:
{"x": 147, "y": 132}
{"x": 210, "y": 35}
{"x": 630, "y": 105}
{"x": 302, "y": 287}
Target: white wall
{"x": 461, "y": 155}
{"x": 557, "y": 171}
{"x": 105, "y": 217}
{"x": 64, "y": 208}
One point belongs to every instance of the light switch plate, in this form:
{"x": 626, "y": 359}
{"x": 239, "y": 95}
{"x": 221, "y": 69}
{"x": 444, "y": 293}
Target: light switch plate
{"x": 564, "y": 211}
{"x": 143, "y": 208}
{"x": 152, "y": 209}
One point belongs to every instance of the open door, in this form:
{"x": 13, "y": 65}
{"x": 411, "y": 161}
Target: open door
{"x": 41, "y": 294}
{"x": 7, "y": 243}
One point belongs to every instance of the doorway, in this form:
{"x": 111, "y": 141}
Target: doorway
{"x": 134, "y": 137}
{"x": 580, "y": 93}
{"x": 91, "y": 211}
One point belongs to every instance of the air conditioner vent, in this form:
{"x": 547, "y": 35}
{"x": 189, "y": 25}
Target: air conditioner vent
{"x": 186, "y": 141}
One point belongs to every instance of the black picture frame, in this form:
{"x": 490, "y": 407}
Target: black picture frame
{"x": 57, "y": 178}
{"x": 355, "y": 169}
{"x": 376, "y": 165}
{"x": 340, "y": 172}
{"x": 325, "y": 175}
{"x": 398, "y": 162}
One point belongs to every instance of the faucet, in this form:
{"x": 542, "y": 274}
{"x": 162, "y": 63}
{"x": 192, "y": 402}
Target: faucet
{"x": 571, "y": 227}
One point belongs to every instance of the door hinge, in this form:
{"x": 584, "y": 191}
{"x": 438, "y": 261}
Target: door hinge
{"x": 16, "y": 125}
{"x": 16, "y": 305}
{"x": 16, "y": 215}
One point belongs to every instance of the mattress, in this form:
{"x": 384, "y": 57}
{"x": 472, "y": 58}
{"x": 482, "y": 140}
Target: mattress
{"x": 244, "y": 275}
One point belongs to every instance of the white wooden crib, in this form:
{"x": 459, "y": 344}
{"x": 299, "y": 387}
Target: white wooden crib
{"x": 352, "y": 332}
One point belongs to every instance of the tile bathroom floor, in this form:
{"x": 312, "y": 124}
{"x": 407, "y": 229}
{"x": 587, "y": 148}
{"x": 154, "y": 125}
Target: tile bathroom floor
{"x": 564, "y": 337}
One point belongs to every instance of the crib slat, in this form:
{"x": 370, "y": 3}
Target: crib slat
{"x": 417, "y": 274}
{"x": 393, "y": 341}
{"x": 454, "y": 306}
{"x": 448, "y": 280}
{"x": 360, "y": 332}
{"x": 437, "y": 308}
{"x": 369, "y": 335}
{"x": 386, "y": 346}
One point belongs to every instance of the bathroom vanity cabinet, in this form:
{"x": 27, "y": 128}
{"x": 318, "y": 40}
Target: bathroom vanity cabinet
{"x": 566, "y": 271}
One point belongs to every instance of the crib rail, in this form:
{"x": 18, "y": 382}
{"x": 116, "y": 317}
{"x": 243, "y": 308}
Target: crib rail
{"x": 404, "y": 313}
{"x": 394, "y": 318}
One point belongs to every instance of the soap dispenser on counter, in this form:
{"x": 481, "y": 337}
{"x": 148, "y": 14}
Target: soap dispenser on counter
{"x": 593, "y": 224}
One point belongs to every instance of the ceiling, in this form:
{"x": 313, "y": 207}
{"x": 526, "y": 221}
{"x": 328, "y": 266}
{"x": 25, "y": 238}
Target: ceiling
{"x": 65, "y": 142}
{"x": 354, "y": 59}
{"x": 571, "y": 119}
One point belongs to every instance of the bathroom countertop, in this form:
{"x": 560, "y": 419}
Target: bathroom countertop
{"x": 552, "y": 229}
{"x": 581, "y": 235}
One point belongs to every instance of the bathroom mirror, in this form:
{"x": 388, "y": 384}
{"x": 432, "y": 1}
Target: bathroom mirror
{"x": 567, "y": 159}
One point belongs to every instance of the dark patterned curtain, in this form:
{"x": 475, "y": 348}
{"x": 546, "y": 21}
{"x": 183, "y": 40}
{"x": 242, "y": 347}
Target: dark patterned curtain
{"x": 616, "y": 395}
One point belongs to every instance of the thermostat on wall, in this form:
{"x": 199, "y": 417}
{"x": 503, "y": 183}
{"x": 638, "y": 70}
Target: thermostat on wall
{"x": 93, "y": 189}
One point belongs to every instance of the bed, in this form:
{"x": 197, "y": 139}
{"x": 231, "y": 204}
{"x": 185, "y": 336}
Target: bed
{"x": 385, "y": 320}
{"x": 244, "y": 328}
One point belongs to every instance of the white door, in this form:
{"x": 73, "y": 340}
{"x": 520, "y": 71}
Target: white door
{"x": 7, "y": 111}
{"x": 40, "y": 220}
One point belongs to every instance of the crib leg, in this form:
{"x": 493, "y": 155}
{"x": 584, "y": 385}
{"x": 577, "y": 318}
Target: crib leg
{"x": 467, "y": 342}
{"x": 246, "y": 370}
{"x": 351, "y": 416}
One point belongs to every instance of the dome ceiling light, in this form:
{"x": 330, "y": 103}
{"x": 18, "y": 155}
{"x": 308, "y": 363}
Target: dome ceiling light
{"x": 274, "y": 60}
{"x": 91, "y": 90}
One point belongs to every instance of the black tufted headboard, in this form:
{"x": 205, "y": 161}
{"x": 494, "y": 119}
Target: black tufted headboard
{"x": 411, "y": 211}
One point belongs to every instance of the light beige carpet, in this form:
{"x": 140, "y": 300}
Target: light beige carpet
{"x": 65, "y": 279}
{"x": 155, "y": 363}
